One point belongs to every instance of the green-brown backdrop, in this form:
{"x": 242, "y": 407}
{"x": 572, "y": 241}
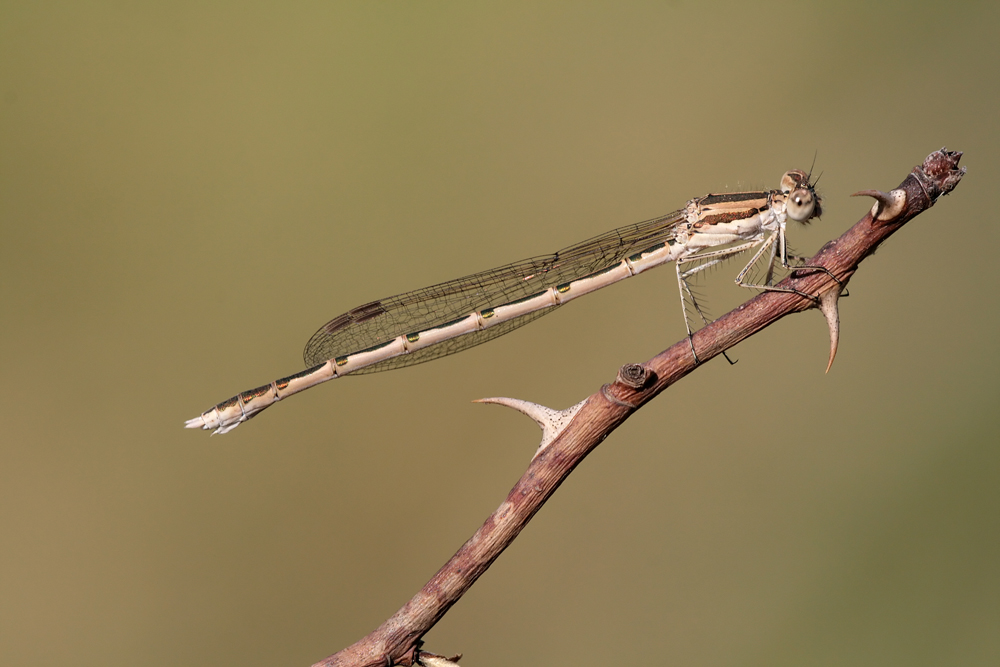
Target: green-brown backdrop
{"x": 188, "y": 190}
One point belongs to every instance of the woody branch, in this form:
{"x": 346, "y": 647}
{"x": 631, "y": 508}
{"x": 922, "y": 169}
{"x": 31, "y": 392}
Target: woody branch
{"x": 572, "y": 434}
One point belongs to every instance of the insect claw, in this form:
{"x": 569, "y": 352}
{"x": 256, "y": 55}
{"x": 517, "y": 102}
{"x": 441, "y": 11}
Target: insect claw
{"x": 693, "y": 353}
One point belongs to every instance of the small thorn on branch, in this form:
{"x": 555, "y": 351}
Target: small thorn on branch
{"x": 434, "y": 660}
{"x": 888, "y": 205}
{"x": 552, "y": 422}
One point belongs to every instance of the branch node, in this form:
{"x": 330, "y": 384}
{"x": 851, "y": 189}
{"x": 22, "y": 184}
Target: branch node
{"x": 633, "y": 376}
{"x": 552, "y": 422}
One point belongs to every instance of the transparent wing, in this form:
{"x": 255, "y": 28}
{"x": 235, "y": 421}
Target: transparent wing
{"x": 385, "y": 319}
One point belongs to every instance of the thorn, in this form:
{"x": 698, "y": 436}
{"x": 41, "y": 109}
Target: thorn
{"x": 434, "y": 660}
{"x": 888, "y": 204}
{"x": 828, "y": 306}
{"x": 552, "y": 422}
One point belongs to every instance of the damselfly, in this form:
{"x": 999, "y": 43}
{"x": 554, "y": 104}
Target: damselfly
{"x": 436, "y": 321}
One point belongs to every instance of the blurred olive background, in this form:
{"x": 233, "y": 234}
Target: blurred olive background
{"x": 189, "y": 190}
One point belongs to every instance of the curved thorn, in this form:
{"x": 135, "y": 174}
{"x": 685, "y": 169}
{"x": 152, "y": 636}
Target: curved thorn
{"x": 889, "y": 204}
{"x": 552, "y": 422}
{"x": 828, "y": 306}
{"x": 875, "y": 194}
{"x": 434, "y": 660}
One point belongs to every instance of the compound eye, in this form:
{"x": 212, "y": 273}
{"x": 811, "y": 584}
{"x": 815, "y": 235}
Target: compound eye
{"x": 800, "y": 205}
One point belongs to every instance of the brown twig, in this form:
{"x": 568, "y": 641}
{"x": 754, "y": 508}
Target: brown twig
{"x": 398, "y": 640}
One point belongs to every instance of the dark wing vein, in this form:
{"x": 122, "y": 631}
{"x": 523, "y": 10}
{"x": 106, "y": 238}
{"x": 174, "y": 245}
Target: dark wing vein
{"x": 385, "y": 319}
